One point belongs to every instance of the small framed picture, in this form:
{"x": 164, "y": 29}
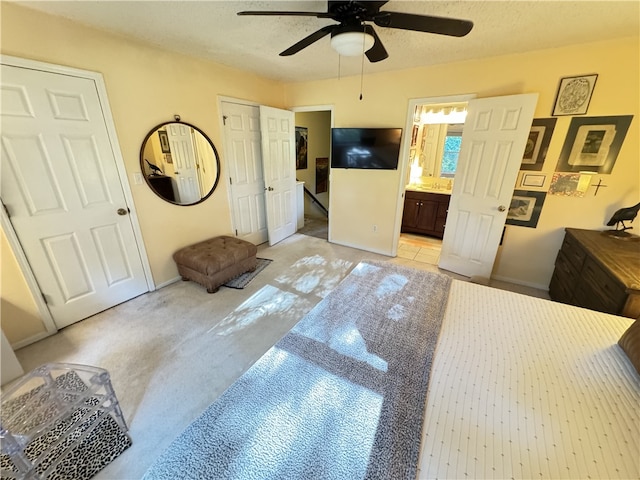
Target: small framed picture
{"x": 574, "y": 95}
{"x": 593, "y": 143}
{"x": 533, "y": 180}
{"x": 525, "y": 208}
{"x": 538, "y": 143}
{"x": 164, "y": 141}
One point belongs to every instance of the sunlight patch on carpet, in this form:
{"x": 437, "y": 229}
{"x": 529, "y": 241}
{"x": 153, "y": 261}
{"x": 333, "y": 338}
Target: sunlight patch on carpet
{"x": 315, "y": 275}
{"x": 268, "y": 302}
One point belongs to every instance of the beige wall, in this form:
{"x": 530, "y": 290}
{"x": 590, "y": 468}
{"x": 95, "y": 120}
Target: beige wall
{"x": 16, "y": 304}
{"x": 362, "y": 199}
{"x": 319, "y": 146}
{"x": 146, "y": 86}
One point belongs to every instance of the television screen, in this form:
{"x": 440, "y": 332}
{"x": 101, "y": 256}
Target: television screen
{"x": 369, "y": 148}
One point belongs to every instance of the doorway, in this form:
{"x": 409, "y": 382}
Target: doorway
{"x": 69, "y": 216}
{"x": 260, "y": 148}
{"x": 315, "y": 123}
{"x": 491, "y": 148}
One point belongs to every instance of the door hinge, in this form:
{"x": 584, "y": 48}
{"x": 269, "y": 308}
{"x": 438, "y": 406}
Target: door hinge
{"x": 236, "y": 232}
{"x": 44, "y": 297}
{"x": 224, "y": 120}
{"x": 6, "y": 210}
{"x": 230, "y": 181}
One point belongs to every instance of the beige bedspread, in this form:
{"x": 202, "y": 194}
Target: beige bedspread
{"x": 527, "y": 388}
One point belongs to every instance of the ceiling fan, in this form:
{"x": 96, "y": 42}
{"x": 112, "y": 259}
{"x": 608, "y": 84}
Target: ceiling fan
{"x": 352, "y": 36}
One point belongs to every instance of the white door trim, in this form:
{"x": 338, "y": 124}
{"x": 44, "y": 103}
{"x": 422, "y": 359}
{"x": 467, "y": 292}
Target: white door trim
{"x": 404, "y": 154}
{"x": 12, "y": 238}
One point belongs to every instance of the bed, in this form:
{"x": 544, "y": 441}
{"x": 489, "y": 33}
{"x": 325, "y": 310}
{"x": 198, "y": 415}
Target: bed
{"x": 514, "y": 387}
{"x": 522, "y": 387}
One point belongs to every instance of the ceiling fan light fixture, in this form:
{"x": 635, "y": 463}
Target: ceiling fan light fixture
{"x": 352, "y": 44}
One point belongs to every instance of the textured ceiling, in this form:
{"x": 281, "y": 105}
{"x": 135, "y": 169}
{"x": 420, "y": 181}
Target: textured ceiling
{"x": 212, "y": 30}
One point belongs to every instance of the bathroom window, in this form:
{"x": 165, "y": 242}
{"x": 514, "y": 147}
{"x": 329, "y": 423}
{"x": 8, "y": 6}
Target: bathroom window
{"x": 451, "y": 151}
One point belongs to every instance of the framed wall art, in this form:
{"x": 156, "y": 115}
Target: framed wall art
{"x": 164, "y": 141}
{"x": 533, "y": 180}
{"x": 574, "y": 95}
{"x": 593, "y": 143}
{"x": 322, "y": 174}
{"x": 301, "y": 148}
{"x": 525, "y": 208}
{"x": 538, "y": 143}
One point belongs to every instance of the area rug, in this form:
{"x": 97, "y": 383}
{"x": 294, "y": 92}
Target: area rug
{"x": 341, "y": 396}
{"x": 245, "y": 278}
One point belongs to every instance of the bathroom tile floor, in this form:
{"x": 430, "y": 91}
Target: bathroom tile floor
{"x": 419, "y": 248}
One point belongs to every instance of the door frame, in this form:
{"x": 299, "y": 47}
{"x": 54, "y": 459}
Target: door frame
{"x": 404, "y": 152}
{"x": 7, "y": 226}
{"x": 321, "y": 108}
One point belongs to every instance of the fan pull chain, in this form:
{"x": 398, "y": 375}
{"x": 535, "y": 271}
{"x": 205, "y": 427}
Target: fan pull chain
{"x": 362, "y": 69}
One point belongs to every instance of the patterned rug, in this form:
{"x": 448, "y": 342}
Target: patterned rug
{"x": 341, "y": 396}
{"x": 245, "y": 278}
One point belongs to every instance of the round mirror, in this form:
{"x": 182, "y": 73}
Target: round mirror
{"x": 180, "y": 163}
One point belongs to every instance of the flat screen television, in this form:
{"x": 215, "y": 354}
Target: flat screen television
{"x": 365, "y": 148}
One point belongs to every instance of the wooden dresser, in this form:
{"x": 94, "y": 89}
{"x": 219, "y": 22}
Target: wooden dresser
{"x": 598, "y": 271}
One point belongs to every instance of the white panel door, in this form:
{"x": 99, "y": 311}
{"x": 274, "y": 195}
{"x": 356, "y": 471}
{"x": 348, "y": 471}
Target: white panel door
{"x": 493, "y": 141}
{"x": 244, "y": 159}
{"x": 279, "y": 165}
{"x": 184, "y": 162}
{"x": 62, "y": 190}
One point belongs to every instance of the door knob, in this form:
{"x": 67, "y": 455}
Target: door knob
{"x": 122, "y": 211}
{"x": 502, "y": 208}
{"x": 270, "y": 189}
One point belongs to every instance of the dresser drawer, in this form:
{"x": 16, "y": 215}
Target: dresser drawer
{"x": 573, "y": 251}
{"x": 598, "y": 282}
{"x": 564, "y": 280}
{"x": 560, "y": 290}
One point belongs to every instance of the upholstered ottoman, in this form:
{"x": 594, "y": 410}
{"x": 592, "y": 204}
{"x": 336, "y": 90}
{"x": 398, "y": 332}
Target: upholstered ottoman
{"x": 216, "y": 261}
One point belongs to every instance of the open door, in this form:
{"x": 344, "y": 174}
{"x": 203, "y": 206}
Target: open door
{"x": 279, "y": 167}
{"x": 493, "y": 141}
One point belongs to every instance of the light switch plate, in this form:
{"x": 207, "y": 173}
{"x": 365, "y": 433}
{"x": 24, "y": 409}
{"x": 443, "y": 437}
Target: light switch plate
{"x": 137, "y": 178}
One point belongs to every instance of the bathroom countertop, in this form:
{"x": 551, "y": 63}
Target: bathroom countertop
{"x": 414, "y": 187}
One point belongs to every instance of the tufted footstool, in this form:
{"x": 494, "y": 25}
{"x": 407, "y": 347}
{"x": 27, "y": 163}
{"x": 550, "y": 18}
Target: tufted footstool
{"x": 216, "y": 261}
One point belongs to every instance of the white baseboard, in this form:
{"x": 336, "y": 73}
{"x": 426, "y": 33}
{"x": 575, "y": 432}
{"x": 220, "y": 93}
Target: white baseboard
{"x": 168, "y": 282}
{"x": 520, "y": 282}
{"x": 358, "y": 247}
{"x": 32, "y": 339}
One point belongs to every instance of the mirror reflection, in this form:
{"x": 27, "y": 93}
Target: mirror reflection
{"x": 180, "y": 163}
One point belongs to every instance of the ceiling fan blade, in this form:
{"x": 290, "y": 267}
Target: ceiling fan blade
{"x": 305, "y": 42}
{"x": 288, "y": 14}
{"x": 424, "y": 23}
{"x": 377, "y": 52}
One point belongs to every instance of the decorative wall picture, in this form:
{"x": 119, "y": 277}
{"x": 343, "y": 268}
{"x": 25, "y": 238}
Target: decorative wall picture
{"x": 414, "y": 135}
{"x": 574, "y": 95}
{"x": 593, "y": 143}
{"x": 322, "y": 174}
{"x": 164, "y": 141}
{"x": 525, "y": 208}
{"x": 301, "y": 148}
{"x": 569, "y": 184}
{"x": 533, "y": 180}
{"x": 538, "y": 143}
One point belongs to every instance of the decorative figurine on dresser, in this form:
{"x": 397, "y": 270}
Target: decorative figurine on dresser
{"x": 628, "y": 214}
{"x": 600, "y": 270}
